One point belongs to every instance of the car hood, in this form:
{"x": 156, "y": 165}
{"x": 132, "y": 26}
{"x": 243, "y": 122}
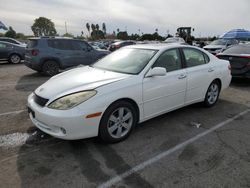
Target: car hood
{"x": 78, "y": 79}
{"x": 214, "y": 46}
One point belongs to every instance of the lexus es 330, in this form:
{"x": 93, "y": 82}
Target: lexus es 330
{"x": 129, "y": 86}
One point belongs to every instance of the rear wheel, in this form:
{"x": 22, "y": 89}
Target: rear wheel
{"x": 15, "y": 59}
{"x": 212, "y": 94}
{"x": 50, "y": 68}
{"x": 117, "y": 122}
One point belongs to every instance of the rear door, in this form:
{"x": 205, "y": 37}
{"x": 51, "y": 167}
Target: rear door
{"x": 163, "y": 93}
{"x": 200, "y": 73}
{"x": 4, "y": 50}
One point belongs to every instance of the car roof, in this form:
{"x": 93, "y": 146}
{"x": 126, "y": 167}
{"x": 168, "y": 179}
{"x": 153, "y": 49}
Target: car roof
{"x": 159, "y": 46}
{"x": 4, "y": 42}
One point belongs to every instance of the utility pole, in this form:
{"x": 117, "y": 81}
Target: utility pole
{"x": 66, "y": 27}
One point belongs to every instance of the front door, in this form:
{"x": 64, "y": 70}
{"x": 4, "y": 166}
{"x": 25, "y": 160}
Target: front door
{"x": 164, "y": 93}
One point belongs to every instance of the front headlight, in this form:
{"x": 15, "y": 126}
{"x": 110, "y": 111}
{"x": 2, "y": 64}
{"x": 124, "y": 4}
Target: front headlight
{"x": 71, "y": 100}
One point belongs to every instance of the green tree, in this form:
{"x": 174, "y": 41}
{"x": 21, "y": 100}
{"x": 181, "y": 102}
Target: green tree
{"x": 97, "y": 34}
{"x": 68, "y": 35}
{"x": 43, "y": 27}
{"x": 97, "y": 27}
{"x": 104, "y": 28}
{"x": 118, "y": 30}
{"x": 93, "y": 27}
{"x": 20, "y": 36}
{"x": 10, "y": 33}
{"x": 88, "y": 27}
{"x": 123, "y": 35}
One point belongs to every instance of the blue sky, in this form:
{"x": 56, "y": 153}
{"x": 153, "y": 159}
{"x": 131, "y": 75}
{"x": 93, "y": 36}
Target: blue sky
{"x": 210, "y": 17}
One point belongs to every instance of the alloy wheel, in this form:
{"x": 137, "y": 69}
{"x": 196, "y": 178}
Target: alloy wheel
{"x": 120, "y": 122}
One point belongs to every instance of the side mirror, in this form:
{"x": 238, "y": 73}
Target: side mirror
{"x": 156, "y": 71}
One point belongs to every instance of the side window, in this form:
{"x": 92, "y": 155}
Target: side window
{"x": 60, "y": 44}
{"x": 83, "y": 45}
{"x": 2, "y": 46}
{"x": 170, "y": 60}
{"x": 194, "y": 57}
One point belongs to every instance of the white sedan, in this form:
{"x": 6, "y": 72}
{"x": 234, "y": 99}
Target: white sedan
{"x": 129, "y": 86}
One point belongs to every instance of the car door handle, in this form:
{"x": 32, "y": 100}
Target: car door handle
{"x": 210, "y": 70}
{"x": 182, "y": 76}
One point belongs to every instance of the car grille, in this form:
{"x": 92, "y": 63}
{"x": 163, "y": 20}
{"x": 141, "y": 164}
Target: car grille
{"x": 40, "y": 101}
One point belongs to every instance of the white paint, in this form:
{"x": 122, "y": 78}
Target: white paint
{"x": 158, "y": 157}
{"x": 13, "y": 140}
{"x": 12, "y": 112}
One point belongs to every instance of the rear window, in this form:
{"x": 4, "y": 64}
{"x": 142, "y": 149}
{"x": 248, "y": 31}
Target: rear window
{"x": 240, "y": 49}
{"x": 32, "y": 43}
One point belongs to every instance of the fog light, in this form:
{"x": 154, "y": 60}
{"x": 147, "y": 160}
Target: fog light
{"x": 63, "y": 130}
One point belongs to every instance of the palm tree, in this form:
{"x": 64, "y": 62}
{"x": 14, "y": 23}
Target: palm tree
{"x": 93, "y": 27}
{"x": 104, "y": 28}
{"x": 118, "y": 30}
{"x": 88, "y": 27}
{"x": 97, "y": 27}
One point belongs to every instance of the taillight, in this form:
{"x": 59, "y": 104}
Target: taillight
{"x": 117, "y": 46}
{"x": 34, "y": 52}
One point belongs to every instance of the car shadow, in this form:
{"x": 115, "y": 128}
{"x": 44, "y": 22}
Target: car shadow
{"x": 51, "y": 162}
{"x": 240, "y": 82}
{"x": 30, "y": 82}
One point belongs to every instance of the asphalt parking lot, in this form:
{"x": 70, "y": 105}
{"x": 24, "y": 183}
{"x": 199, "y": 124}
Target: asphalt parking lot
{"x": 168, "y": 151}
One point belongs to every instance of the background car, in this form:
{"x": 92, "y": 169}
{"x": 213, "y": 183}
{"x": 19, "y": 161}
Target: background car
{"x": 13, "y": 53}
{"x": 178, "y": 40}
{"x": 13, "y": 41}
{"x": 128, "y": 86}
{"x": 98, "y": 45}
{"x": 218, "y": 46}
{"x": 239, "y": 58}
{"x": 50, "y": 54}
{"x": 120, "y": 44}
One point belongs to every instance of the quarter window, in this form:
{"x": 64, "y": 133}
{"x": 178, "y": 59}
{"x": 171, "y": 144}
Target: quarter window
{"x": 170, "y": 60}
{"x": 194, "y": 57}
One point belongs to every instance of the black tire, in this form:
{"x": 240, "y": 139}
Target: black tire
{"x": 210, "y": 101}
{"x": 106, "y": 122}
{"x": 14, "y": 59}
{"x": 50, "y": 68}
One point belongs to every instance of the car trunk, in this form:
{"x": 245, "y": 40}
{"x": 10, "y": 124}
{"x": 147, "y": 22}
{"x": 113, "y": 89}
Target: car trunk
{"x": 239, "y": 64}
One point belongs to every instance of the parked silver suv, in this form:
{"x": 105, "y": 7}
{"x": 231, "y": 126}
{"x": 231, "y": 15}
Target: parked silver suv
{"x": 50, "y": 54}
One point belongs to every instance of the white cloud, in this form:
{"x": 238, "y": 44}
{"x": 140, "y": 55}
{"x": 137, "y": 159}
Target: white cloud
{"x": 211, "y": 17}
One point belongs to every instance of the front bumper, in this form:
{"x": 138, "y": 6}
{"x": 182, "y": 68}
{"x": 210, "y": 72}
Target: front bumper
{"x": 69, "y": 124}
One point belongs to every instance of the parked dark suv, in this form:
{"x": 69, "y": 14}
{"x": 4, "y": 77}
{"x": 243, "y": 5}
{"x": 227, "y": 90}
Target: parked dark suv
{"x": 50, "y": 54}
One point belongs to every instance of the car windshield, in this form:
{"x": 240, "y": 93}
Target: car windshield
{"x": 219, "y": 42}
{"x": 126, "y": 60}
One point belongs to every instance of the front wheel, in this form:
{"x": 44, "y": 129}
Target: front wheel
{"x": 212, "y": 94}
{"x": 15, "y": 59}
{"x": 117, "y": 122}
